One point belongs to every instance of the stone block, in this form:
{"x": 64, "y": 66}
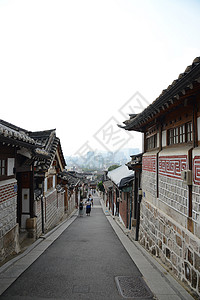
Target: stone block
{"x": 197, "y": 261}
{"x": 187, "y": 272}
{"x": 194, "y": 279}
{"x": 31, "y": 223}
{"x": 167, "y": 253}
{"x": 169, "y": 243}
{"x": 179, "y": 241}
{"x": 190, "y": 225}
{"x": 190, "y": 257}
{"x": 194, "y": 244}
{"x": 199, "y": 285}
{"x": 174, "y": 259}
{"x": 153, "y": 251}
{"x": 160, "y": 244}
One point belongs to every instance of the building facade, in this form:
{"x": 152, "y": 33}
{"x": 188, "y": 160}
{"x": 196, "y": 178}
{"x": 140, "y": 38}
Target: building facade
{"x": 31, "y": 201}
{"x": 170, "y": 207}
{"x": 118, "y": 191}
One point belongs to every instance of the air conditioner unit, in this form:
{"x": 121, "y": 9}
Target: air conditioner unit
{"x": 186, "y": 176}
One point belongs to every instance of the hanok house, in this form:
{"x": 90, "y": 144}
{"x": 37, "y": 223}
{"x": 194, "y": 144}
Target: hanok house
{"x": 72, "y": 186}
{"x": 170, "y": 207}
{"x": 31, "y": 202}
{"x": 17, "y": 154}
{"x": 49, "y": 204}
{"x": 119, "y": 194}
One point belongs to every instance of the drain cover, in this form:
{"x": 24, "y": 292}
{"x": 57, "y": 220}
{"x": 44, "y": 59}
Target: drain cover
{"x": 133, "y": 287}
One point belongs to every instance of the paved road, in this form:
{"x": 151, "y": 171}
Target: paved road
{"x": 82, "y": 263}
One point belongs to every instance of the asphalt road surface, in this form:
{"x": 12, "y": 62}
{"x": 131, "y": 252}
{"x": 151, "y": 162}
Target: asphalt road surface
{"x": 82, "y": 263}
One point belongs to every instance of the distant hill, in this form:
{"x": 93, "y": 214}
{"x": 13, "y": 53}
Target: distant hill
{"x": 100, "y": 160}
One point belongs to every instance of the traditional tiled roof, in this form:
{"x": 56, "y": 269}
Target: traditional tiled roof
{"x": 14, "y": 135}
{"x": 49, "y": 143}
{"x": 43, "y": 144}
{"x": 118, "y": 174}
{"x": 186, "y": 81}
{"x": 71, "y": 180}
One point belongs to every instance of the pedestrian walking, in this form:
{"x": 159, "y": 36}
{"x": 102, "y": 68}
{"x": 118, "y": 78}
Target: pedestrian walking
{"x": 81, "y": 205}
{"x": 90, "y": 199}
{"x": 88, "y": 208}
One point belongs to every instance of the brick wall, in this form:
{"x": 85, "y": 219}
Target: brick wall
{"x": 7, "y": 190}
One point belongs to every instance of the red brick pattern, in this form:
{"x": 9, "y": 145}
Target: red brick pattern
{"x": 7, "y": 192}
{"x": 196, "y": 170}
{"x": 172, "y": 166}
{"x": 149, "y": 163}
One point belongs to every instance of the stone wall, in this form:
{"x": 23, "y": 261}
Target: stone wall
{"x": 149, "y": 183}
{"x": 54, "y": 211}
{"x": 9, "y": 236}
{"x": 54, "y": 208}
{"x": 174, "y": 192}
{"x": 177, "y": 247}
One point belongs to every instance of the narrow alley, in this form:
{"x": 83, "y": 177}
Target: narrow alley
{"x": 85, "y": 259}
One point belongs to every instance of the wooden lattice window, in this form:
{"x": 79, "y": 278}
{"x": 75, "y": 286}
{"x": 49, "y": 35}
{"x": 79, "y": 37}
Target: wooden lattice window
{"x": 49, "y": 182}
{"x": 181, "y": 134}
{"x": 3, "y": 167}
{"x": 152, "y": 142}
{"x": 189, "y": 131}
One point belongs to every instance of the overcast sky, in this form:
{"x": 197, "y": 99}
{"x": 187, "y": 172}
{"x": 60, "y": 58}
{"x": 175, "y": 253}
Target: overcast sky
{"x": 82, "y": 66}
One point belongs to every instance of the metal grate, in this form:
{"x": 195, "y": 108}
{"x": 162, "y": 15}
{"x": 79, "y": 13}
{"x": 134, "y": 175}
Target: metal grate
{"x": 133, "y": 287}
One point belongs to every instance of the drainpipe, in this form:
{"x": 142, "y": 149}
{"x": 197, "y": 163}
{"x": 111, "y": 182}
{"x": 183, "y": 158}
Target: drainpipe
{"x": 42, "y": 207}
{"x": 113, "y": 200}
{"x": 194, "y": 124}
{"x": 130, "y": 208}
{"x": 138, "y": 214}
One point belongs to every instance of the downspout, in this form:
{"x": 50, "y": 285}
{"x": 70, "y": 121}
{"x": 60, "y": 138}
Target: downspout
{"x": 113, "y": 200}
{"x": 139, "y": 199}
{"x": 130, "y": 208}
{"x": 127, "y": 209}
{"x": 194, "y": 123}
{"x": 195, "y": 144}
{"x": 42, "y": 207}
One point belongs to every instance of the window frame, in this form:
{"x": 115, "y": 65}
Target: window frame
{"x": 151, "y": 142}
{"x": 49, "y": 183}
{"x": 179, "y": 134}
{"x": 3, "y": 167}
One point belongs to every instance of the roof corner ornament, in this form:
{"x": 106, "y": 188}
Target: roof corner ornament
{"x": 190, "y": 86}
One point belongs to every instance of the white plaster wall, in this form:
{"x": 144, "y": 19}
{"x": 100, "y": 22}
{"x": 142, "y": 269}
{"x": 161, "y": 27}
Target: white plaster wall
{"x": 198, "y": 128}
{"x": 11, "y": 164}
{"x": 164, "y": 135}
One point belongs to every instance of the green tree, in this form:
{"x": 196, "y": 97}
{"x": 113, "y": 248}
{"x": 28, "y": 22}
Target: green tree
{"x": 113, "y": 167}
{"x": 100, "y": 186}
